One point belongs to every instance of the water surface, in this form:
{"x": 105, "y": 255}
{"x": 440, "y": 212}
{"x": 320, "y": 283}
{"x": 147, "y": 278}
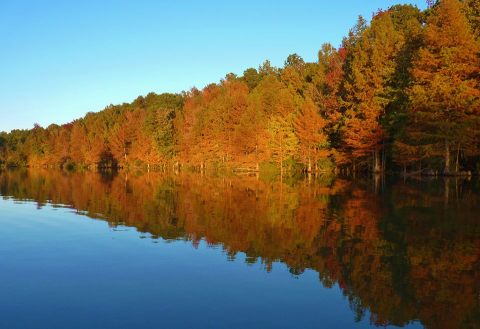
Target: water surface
{"x": 91, "y": 250}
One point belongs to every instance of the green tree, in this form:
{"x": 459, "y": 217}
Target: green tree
{"x": 283, "y": 142}
{"x": 3, "y": 147}
{"x": 251, "y": 78}
{"x": 309, "y": 127}
{"x": 472, "y": 10}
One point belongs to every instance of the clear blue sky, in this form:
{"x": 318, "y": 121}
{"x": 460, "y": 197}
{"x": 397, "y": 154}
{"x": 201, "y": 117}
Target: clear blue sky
{"x": 61, "y": 59}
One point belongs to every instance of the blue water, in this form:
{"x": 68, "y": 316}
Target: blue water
{"x": 124, "y": 250}
{"x": 64, "y": 270}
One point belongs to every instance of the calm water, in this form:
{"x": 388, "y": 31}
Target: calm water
{"x": 87, "y": 250}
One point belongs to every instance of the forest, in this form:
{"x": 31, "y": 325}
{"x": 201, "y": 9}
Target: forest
{"x": 400, "y": 94}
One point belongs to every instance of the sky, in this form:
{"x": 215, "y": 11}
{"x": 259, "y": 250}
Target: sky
{"x": 62, "y": 59}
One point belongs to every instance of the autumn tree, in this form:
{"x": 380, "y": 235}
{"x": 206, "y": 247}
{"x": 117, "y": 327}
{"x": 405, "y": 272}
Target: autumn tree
{"x": 309, "y": 127}
{"x": 328, "y": 81}
{"x": 79, "y": 143}
{"x": 60, "y": 144}
{"x": 185, "y": 125}
{"x": 370, "y": 65}
{"x": 250, "y": 134}
{"x": 408, "y": 21}
{"x": 160, "y": 125}
{"x": 283, "y": 142}
{"x": 472, "y": 10}
{"x": 3, "y": 148}
{"x": 445, "y": 95}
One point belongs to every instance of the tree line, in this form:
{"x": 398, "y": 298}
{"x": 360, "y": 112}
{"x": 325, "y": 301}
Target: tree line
{"x": 401, "y": 92}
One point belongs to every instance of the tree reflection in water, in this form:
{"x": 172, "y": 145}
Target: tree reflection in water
{"x": 403, "y": 251}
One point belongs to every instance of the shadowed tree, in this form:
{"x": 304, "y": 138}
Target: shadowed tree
{"x": 371, "y": 64}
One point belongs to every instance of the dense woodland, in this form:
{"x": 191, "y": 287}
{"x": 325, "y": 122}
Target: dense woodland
{"x": 401, "y": 93}
{"x": 397, "y": 256}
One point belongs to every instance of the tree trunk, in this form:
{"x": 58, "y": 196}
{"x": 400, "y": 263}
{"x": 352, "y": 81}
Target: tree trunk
{"x": 384, "y": 157}
{"x": 457, "y": 160}
{"x": 447, "y": 157}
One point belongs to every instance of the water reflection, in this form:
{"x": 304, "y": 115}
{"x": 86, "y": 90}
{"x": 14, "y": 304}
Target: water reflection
{"x": 400, "y": 251}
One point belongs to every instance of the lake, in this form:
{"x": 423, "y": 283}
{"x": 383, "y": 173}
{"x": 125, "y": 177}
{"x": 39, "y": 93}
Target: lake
{"x": 155, "y": 250}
